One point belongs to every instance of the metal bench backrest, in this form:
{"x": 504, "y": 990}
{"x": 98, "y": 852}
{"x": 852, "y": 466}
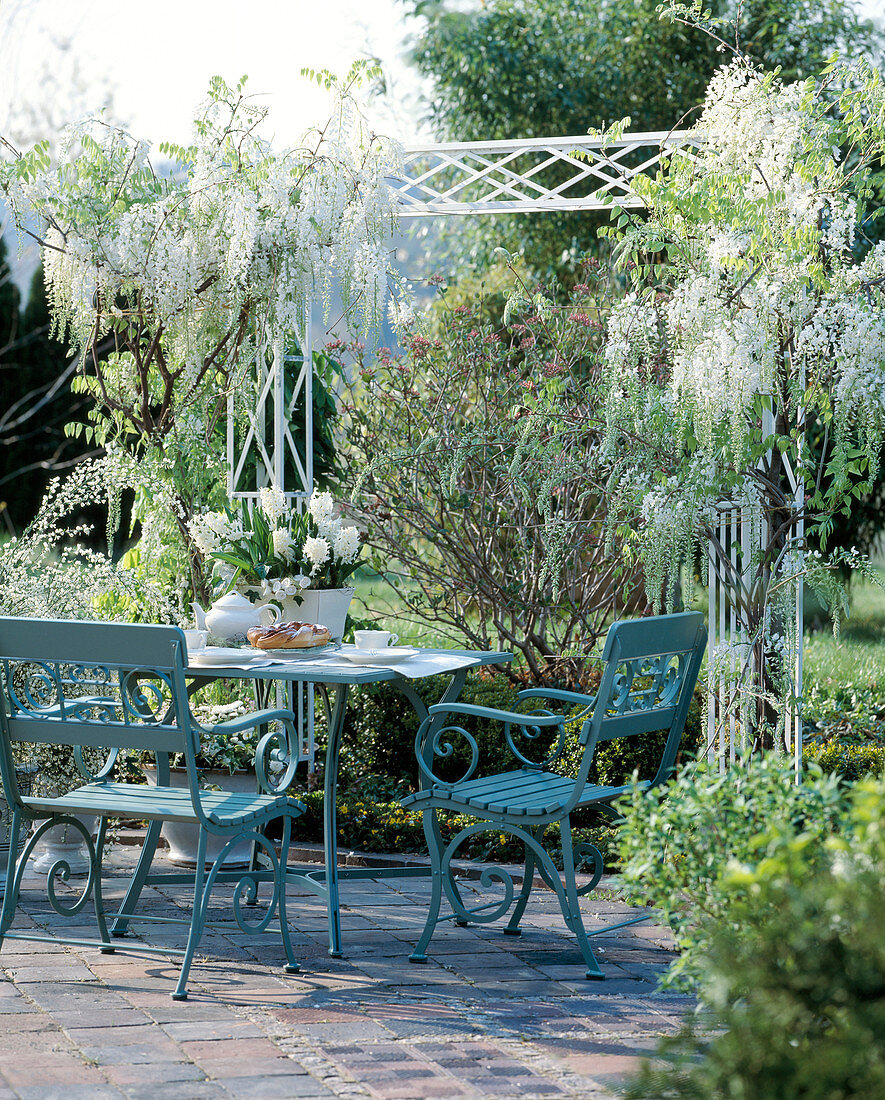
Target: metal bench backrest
{"x": 651, "y": 668}
{"x": 106, "y": 686}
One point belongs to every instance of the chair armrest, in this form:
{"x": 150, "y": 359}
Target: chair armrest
{"x": 494, "y": 714}
{"x": 430, "y": 742}
{"x": 247, "y": 721}
{"x": 558, "y": 694}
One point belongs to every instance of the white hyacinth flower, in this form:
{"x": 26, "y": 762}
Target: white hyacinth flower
{"x": 317, "y": 551}
{"x": 282, "y": 543}
{"x": 347, "y": 545}
{"x": 321, "y": 508}
{"x": 272, "y": 501}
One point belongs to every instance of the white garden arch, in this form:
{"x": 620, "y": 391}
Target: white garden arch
{"x": 498, "y": 177}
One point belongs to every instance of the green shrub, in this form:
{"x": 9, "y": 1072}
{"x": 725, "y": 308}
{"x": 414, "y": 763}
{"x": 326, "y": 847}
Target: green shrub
{"x": 795, "y": 977}
{"x": 851, "y": 762}
{"x": 681, "y": 841}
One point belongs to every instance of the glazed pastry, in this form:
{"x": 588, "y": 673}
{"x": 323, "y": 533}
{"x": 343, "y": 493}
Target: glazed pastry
{"x": 289, "y": 636}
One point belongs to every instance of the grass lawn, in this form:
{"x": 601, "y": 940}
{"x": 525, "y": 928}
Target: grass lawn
{"x": 845, "y": 678}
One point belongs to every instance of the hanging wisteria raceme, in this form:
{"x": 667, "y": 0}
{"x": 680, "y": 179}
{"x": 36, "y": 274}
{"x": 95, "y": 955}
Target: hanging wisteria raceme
{"x": 182, "y": 266}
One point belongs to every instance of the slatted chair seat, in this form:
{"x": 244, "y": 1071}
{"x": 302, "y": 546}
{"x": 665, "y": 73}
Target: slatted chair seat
{"x": 125, "y": 800}
{"x": 520, "y": 793}
{"x": 100, "y": 688}
{"x": 651, "y": 667}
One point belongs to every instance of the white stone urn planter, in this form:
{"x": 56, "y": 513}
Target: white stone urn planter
{"x": 64, "y": 842}
{"x": 183, "y": 837}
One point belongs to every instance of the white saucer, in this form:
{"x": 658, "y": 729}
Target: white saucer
{"x": 220, "y": 655}
{"x": 390, "y": 655}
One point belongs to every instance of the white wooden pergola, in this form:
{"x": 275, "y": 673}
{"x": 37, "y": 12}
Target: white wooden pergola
{"x": 502, "y": 177}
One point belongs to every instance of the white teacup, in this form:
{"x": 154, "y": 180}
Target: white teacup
{"x": 374, "y": 639}
{"x": 196, "y": 639}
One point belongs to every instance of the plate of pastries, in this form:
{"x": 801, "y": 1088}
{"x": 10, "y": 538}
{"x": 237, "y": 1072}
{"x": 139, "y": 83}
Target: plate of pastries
{"x": 296, "y": 640}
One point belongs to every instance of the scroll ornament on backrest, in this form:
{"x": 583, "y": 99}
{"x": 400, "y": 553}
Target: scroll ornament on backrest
{"x": 30, "y": 686}
{"x": 146, "y": 695}
{"x": 648, "y": 683}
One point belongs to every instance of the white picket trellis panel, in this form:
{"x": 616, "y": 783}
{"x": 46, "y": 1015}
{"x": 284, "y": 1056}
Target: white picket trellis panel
{"x": 740, "y": 530}
{"x": 269, "y": 441}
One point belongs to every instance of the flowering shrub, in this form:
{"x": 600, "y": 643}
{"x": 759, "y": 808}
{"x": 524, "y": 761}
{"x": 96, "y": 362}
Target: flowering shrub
{"x": 276, "y": 550}
{"x": 473, "y": 454}
{"x": 753, "y": 313}
{"x": 189, "y": 274}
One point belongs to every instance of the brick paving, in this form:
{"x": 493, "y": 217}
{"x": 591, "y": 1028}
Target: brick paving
{"x": 489, "y": 1015}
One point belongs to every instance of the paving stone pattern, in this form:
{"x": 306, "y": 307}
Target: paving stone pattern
{"x": 488, "y": 1016}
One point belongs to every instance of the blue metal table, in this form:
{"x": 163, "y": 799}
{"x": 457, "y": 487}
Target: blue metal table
{"x": 335, "y": 677}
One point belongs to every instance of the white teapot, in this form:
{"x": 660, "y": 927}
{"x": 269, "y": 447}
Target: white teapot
{"x": 229, "y": 618}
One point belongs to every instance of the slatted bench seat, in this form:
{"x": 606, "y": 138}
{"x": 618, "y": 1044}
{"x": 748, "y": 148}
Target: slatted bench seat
{"x": 106, "y": 687}
{"x": 651, "y": 667}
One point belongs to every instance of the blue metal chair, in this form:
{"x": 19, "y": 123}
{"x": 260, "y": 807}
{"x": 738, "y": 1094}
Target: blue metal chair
{"x": 106, "y": 687}
{"x": 651, "y": 667}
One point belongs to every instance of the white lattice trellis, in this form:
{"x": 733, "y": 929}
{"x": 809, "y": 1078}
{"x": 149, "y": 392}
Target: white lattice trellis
{"x": 509, "y": 177}
{"x": 269, "y": 453}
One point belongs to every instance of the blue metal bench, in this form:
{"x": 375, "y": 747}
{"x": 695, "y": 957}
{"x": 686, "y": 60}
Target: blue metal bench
{"x": 651, "y": 667}
{"x": 106, "y": 687}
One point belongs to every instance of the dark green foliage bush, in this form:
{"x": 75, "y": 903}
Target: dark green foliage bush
{"x": 794, "y": 978}
{"x": 851, "y": 762}
{"x": 680, "y": 843}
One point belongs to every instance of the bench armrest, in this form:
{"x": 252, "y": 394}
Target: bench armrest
{"x": 276, "y": 756}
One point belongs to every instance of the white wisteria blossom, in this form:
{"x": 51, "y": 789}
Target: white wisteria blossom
{"x": 190, "y": 272}
{"x": 762, "y": 321}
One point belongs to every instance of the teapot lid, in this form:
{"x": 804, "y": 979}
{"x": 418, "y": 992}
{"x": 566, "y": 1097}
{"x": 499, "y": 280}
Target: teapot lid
{"x": 234, "y": 600}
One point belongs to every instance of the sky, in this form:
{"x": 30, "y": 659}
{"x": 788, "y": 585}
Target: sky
{"x": 157, "y": 57}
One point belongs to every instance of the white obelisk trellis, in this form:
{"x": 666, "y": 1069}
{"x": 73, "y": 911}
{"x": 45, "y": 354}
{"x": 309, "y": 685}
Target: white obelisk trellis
{"x": 500, "y": 177}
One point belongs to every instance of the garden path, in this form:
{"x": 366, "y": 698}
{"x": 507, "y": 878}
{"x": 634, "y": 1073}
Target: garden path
{"x": 488, "y": 1016}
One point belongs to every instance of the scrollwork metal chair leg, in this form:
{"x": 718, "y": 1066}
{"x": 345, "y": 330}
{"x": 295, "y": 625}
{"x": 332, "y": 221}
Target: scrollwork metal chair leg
{"x": 570, "y": 903}
{"x": 512, "y": 928}
{"x": 435, "y": 848}
{"x": 291, "y": 966}
{"x": 197, "y": 918}
{"x": 10, "y": 891}
{"x": 97, "y": 856}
